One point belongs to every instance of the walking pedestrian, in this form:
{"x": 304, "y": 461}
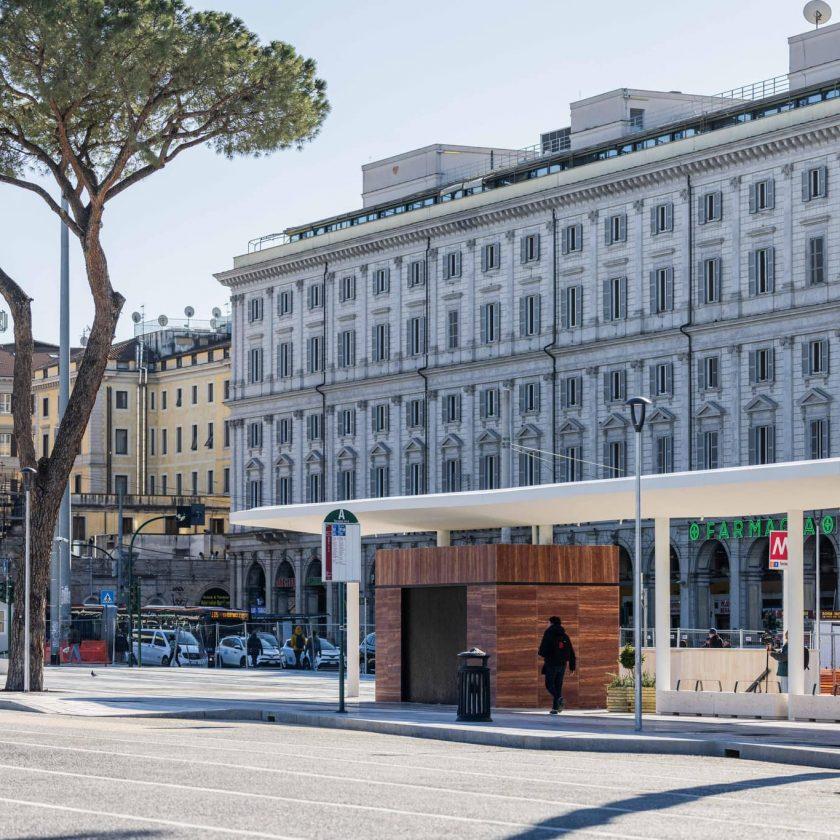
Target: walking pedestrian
{"x": 75, "y": 643}
{"x": 298, "y": 644}
{"x": 313, "y": 647}
{"x": 781, "y": 656}
{"x": 255, "y": 648}
{"x": 557, "y": 653}
{"x": 120, "y": 646}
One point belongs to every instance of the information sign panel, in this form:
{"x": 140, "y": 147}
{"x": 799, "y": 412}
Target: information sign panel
{"x": 341, "y": 547}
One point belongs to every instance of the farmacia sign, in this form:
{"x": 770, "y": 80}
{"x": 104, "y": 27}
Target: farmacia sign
{"x": 740, "y": 529}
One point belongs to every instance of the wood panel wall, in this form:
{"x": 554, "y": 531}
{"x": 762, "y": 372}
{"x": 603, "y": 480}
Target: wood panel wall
{"x": 511, "y": 592}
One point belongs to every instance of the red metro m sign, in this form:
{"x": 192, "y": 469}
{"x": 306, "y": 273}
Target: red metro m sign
{"x": 778, "y": 549}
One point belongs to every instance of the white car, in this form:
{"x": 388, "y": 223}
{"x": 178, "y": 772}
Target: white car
{"x": 157, "y": 647}
{"x": 328, "y": 657}
{"x": 233, "y": 652}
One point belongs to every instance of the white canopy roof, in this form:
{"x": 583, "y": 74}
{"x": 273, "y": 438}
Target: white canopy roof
{"x": 738, "y": 491}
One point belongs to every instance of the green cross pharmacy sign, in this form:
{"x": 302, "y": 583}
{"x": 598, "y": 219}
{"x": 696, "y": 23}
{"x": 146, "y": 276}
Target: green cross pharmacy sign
{"x": 746, "y": 529}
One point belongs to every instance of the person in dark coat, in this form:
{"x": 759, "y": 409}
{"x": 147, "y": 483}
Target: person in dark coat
{"x": 714, "y": 640}
{"x": 255, "y": 648}
{"x": 558, "y": 654}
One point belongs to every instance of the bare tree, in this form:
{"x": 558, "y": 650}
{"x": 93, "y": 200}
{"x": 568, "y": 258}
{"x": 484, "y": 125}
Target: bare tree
{"x": 96, "y": 96}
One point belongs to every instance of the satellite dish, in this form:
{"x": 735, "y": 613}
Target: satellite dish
{"x": 189, "y": 312}
{"x": 213, "y": 323}
{"x": 136, "y": 317}
{"x": 817, "y": 12}
{"x": 217, "y": 313}
{"x": 163, "y": 320}
{"x": 83, "y": 341}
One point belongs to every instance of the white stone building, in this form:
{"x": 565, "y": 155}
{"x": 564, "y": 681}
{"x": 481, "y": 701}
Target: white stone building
{"x": 485, "y": 330}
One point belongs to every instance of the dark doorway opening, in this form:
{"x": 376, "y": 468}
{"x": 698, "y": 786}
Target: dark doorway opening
{"x": 434, "y": 632}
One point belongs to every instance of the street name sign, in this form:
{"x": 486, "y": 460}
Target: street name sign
{"x": 341, "y": 547}
{"x": 778, "y": 549}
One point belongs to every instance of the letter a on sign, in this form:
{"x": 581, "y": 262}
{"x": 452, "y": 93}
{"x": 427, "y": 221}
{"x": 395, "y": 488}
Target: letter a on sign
{"x": 778, "y": 549}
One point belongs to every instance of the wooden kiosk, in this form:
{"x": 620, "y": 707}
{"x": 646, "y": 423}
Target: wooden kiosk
{"x": 432, "y": 603}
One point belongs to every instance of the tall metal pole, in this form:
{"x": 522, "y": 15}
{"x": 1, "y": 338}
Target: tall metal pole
{"x": 28, "y": 472}
{"x": 815, "y": 636}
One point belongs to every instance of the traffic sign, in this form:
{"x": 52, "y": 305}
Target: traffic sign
{"x": 107, "y": 597}
{"x": 778, "y": 549}
{"x": 341, "y": 547}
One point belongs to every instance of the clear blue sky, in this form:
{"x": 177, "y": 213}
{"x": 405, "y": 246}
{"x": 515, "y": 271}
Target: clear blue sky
{"x": 399, "y": 75}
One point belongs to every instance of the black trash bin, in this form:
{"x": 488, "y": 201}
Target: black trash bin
{"x": 473, "y": 686}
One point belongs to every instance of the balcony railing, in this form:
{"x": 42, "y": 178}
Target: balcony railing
{"x": 132, "y": 500}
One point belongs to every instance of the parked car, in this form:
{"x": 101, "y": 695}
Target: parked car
{"x": 327, "y": 659}
{"x": 368, "y": 649}
{"x": 270, "y": 651}
{"x": 157, "y": 648}
{"x": 232, "y": 652}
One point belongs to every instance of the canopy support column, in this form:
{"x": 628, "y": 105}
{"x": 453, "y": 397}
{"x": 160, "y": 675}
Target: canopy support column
{"x": 795, "y": 603}
{"x": 542, "y": 535}
{"x": 443, "y": 538}
{"x": 662, "y": 601}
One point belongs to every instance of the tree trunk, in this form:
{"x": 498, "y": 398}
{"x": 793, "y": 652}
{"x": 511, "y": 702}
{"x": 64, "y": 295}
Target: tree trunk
{"x": 44, "y": 506}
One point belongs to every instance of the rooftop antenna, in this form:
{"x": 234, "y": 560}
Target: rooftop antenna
{"x": 817, "y": 12}
{"x": 84, "y": 337}
{"x": 189, "y": 312}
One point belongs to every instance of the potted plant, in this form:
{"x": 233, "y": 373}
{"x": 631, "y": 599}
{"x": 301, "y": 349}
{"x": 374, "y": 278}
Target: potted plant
{"x": 621, "y": 687}
{"x": 619, "y": 691}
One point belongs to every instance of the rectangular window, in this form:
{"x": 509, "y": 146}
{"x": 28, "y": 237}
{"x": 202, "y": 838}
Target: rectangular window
{"x": 661, "y": 379}
{"x": 661, "y": 218}
{"x": 179, "y": 439}
{"x": 121, "y": 485}
{"x": 314, "y": 354}
{"x": 489, "y": 474}
{"x": 194, "y": 483}
{"x": 284, "y": 359}
{"x": 665, "y": 453}
{"x": 529, "y": 315}
{"x": 255, "y": 366}
{"x": 530, "y": 248}
{"x": 762, "y": 195}
{"x": 451, "y": 408}
{"x": 45, "y": 407}
{"x": 163, "y": 401}
{"x": 816, "y": 260}
{"x": 380, "y": 417}
{"x": 194, "y": 438}
{"x": 284, "y": 431}
{"x": 491, "y": 256}
{"x": 226, "y": 434}
{"x": 315, "y": 487}
{"x": 491, "y": 314}
{"x": 284, "y": 490}
{"x": 709, "y": 450}
{"x": 572, "y": 464}
{"x": 255, "y": 434}
{"x": 614, "y": 459}
{"x": 152, "y": 441}
{"x": 379, "y": 481}
{"x": 314, "y": 427}
{"x": 615, "y": 298}
{"x": 347, "y": 422}
{"x": 416, "y": 274}
{"x": 763, "y": 444}
{"x": 5, "y": 403}
{"x": 708, "y": 373}
{"x": 346, "y": 482}
{"x": 164, "y": 480}
{"x": 226, "y": 480}
{"x": 762, "y": 271}
{"x": 164, "y": 442}
{"x": 661, "y": 290}
{"x": 5, "y": 444}
{"x": 615, "y": 229}
{"x": 710, "y": 207}
{"x": 818, "y": 438}
{"x": 210, "y": 392}
{"x": 451, "y": 475}
{"x": 209, "y": 442}
{"x": 571, "y": 305}
{"x": 254, "y": 493}
{"x": 489, "y": 403}
{"x": 451, "y": 265}
{"x": 529, "y": 469}
{"x": 452, "y": 329}
{"x": 572, "y": 242}
{"x": 179, "y": 394}
{"x": 226, "y": 390}
{"x": 710, "y": 280}
{"x": 284, "y": 302}
{"x": 194, "y": 395}
{"x": 416, "y": 336}
{"x": 381, "y": 342}
{"x": 815, "y": 357}
{"x": 571, "y": 392}
{"x": 121, "y": 399}
{"x": 615, "y": 389}
{"x": 121, "y": 441}
{"x": 529, "y": 398}
{"x": 210, "y": 483}
{"x": 255, "y": 309}
{"x": 815, "y": 183}
{"x": 346, "y": 348}
{"x": 416, "y": 415}
{"x": 762, "y": 364}
{"x": 414, "y": 479}
{"x": 347, "y": 288}
{"x": 315, "y": 296}
{"x": 381, "y": 281}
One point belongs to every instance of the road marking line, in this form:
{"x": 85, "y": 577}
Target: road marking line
{"x": 414, "y": 787}
{"x": 156, "y": 820}
{"x": 350, "y": 806}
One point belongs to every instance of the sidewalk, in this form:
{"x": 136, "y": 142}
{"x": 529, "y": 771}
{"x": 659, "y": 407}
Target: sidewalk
{"x": 303, "y": 698}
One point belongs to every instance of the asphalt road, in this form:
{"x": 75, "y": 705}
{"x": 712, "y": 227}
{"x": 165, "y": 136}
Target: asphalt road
{"x": 68, "y": 777}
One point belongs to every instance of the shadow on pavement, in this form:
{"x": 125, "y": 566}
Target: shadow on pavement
{"x": 116, "y": 834}
{"x": 602, "y": 815}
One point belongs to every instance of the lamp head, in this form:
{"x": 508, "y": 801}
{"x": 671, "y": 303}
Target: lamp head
{"x": 27, "y": 473}
{"x": 638, "y": 410}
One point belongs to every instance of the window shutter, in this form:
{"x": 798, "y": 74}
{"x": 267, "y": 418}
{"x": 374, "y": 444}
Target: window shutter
{"x": 340, "y": 348}
{"x": 718, "y": 275}
{"x": 771, "y": 269}
{"x": 771, "y": 444}
{"x": 700, "y": 281}
{"x": 824, "y": 349}
{"x": 652, "y": 386}
{"x": 537, "y": 395}
{"x": 497, "y": 322}
{"x": 669, "y": 289}
{"x": 579, "y": 306}
{"x": 771, "y": 364}
{"x": 622, "y": 294}
{"x": 753, "y": 433}
{"x": 484, "y": 255}
{"x": 564, "y": 308}
{"x": 771, "y": 193}
{"x": 669, "y": 377}
{"x": 537, "y": 314}
{"x": 701, "y": 210}
{"x": 606, "y": 377}
{"x": 523, "y": 316}
{"x": 701, "y": 374}
{"x": 482, "y": 405}
{"x": 536, "y": 246}
{"x": 606, "y": 299}
{"x": 652, "y": 277}
{"x": 752, "y": 261}
{"x": 753, "y": 198}
{"x": 669, "y": 216}
{"x": 699, "y": 454}
{"x": 605, "y": 460}
{"x": 523, "y": 249}
{"x": 408, "y": 347}
{"x": 753, "y": 367}
{"x": 386, "y": 348}
{"x": 578, "y": 228}
{"x": 457, "y": 263}
{"x": 823, "y": 180}
{"x": 446, "y": 274}
{"x": 717, "y": 201}
{"x": 653, "y": 228}
{"x": 806, "y": 358}
{"x": 622, "y": 380}
{"x": 522, "y": 397}
{"x": 374, "y": 345}
{"x": 564, "y": 394}
{"x": 622, "y": 227}
{"x": 806, "y": 185}
{"x": 483, "y": 320}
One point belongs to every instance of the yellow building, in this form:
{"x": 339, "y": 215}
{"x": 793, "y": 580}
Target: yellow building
{"x": 158, "y": 433}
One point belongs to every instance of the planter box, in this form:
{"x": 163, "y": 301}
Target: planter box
{"x": 648, "y": 700}
{"x": 619, "y": 699}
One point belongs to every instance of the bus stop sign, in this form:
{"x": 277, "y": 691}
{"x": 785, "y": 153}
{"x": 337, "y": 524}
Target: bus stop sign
{"x": 341, "y": 547}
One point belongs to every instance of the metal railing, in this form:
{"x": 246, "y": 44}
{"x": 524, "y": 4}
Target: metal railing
{"x": 270, "y": 239}
{"x": 696, "y": 638}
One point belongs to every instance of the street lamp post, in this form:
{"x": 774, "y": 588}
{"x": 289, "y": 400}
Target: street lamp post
{"x": 638, "y": 410}
{"x": 28, "y": 472}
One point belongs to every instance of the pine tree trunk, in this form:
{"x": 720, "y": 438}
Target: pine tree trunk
{"x": 44, "y": 513}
